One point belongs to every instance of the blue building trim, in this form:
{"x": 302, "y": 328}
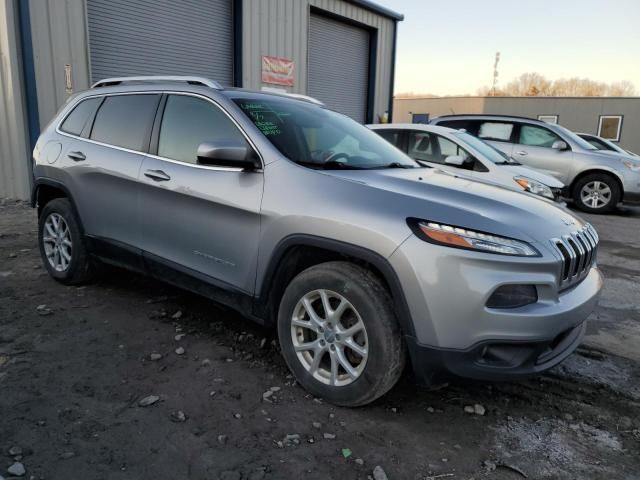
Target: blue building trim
{"x": 28, "y": 66}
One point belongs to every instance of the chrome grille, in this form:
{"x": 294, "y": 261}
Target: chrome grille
{"x": 578, "y": 251}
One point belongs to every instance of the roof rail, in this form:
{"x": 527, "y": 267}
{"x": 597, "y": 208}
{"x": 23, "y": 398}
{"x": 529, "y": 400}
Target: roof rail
{"x": 207, "y": 82}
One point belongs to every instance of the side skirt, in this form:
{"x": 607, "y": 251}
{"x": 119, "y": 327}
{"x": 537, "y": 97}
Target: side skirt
{"x": 130, "y": 258}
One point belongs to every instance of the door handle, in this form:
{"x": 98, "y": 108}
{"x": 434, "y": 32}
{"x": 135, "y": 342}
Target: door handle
{"x": 77, "y": 156}
{"x": 522, "y": 153}
{"x": 157, "y": 175}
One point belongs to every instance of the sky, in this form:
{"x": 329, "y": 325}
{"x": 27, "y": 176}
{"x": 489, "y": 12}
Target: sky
{"x": 448, "y": 47}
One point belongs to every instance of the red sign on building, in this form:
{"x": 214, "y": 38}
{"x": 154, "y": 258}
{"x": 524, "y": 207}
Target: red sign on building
{"x": 277, "y": 71}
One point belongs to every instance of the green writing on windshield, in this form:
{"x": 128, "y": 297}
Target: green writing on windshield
{"x": 268, "y": 128}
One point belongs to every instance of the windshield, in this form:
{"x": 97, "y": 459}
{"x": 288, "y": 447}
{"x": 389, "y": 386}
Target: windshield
{"x": 319, "y": 138}
{"x": 581, "y": 142}
{"x": 488, "y": 151}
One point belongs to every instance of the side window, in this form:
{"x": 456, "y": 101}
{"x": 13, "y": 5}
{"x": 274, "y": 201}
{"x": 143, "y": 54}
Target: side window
{"x": 498, "y": 131}
{"x": 536, "y": 136}
{"x": 189, "y": 121}
{"x": 125, "y": 121}
{"x": 391, "y": 136}
{"x": 598, "y": 144}
{"x": 77, "y": 119}
{"x": 470, "y": 126}
{"x": 448, "y": 148}
{"x": 420, "y": 147}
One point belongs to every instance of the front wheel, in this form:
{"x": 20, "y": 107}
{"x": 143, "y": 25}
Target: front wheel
{"x": 597, "y": 193}
{"x": 339, "y": 335}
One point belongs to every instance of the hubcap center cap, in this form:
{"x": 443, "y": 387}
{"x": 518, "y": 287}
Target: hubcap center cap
{"x": 329, "y": 336}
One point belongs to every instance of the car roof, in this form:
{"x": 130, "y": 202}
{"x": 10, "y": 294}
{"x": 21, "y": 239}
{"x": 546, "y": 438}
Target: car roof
{"x": 184, "y": 84}
{"x": 480, "y": 116}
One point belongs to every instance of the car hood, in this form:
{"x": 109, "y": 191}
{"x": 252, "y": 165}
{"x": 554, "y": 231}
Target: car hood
{"x": 439, "y": 196}
{"x": 536, "y": 175}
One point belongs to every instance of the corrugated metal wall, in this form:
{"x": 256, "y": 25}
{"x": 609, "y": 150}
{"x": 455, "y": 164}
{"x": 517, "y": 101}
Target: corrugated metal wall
{"x": 14, "y": 149}
{"x": 139, "y": 37}
{"x": 340, "y": 81}
{"x": 290, "y": 40}
{"x": 59, "y": 37}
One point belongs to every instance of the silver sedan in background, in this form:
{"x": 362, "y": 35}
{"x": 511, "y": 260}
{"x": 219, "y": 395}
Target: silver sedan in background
{"x": 466, "y": 156}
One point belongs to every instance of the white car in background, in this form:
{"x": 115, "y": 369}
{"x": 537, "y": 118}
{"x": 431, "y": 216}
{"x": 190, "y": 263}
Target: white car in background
{"x": 464, "y": 155}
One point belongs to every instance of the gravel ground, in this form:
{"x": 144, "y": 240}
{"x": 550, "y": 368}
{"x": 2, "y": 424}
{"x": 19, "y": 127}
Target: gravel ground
{"x": 127, "y": 378}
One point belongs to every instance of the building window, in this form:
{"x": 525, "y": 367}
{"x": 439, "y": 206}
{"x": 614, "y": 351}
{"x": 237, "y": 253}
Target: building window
{"x": 419, "y": 118}
{"x": 609, "y": 127}
{"x": 548, "y": 118}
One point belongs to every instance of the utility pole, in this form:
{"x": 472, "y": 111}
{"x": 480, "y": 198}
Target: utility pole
{"x": 495, "y": 75}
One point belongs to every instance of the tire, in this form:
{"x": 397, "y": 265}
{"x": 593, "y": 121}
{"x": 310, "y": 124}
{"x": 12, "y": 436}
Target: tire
{"x": 368, "y": 313}
{"x": 75, "y": 268}
{"x": 605, "y": 193}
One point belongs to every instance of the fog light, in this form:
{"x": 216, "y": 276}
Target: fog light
{"x": 513, "y": 296}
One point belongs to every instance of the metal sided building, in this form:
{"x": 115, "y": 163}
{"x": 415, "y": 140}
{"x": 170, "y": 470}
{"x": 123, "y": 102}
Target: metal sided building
{"x": 339, "y": 51}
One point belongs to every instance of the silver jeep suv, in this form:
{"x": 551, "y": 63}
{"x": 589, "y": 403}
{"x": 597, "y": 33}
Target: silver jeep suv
{"x": 303, "y": 219}
{"x": 597, "y": 180}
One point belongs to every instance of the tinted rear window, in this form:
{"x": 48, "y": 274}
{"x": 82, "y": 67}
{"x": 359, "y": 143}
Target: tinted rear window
{"x": 471, "y": 126}
{"x": 77, "y": 119}
{"x": 125, "y": 121}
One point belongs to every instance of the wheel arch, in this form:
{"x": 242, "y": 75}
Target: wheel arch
{"x": 45, "y": 190}
{"x": 601, "y": 171}
{"x": 299, "y": 252}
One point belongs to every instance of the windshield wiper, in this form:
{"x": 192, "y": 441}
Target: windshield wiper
{"x": 330, "y": 165}
{"x": 396, "y": 165}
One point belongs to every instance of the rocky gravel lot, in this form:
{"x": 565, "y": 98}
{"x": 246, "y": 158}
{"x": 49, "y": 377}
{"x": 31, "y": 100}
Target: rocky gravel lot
{"x": 127, "y": 378}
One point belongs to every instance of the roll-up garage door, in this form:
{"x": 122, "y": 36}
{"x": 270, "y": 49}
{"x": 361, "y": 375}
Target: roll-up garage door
{"x": 161, "y": 37}
{"x": 339, "y": 65}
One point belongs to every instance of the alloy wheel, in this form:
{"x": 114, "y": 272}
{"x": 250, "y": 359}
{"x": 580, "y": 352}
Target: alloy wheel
{"x": 57, "y": 242}
{"x": 329, "y": 338}
{"x": 595, "y": 194}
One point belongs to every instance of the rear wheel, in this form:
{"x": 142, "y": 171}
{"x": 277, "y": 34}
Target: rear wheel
{"x": 339, "y": 335}
{"x": 61, "y": 247}
{"x": 597, "y": 193}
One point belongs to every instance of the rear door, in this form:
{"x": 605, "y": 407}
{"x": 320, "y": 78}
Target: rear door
{"x": 105, "y": 166}
{"x": 202, "y": 220}
{"x": 499, "y": 134}
{"x": 533, "y": 149}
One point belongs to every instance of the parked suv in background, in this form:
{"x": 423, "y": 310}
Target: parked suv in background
{"x": 465, "y": 155}
{"x": 596, "y": 180}
{"x": 301, "y": 218}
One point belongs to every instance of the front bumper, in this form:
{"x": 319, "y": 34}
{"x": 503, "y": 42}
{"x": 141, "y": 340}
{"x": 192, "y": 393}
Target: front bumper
{"x": 631, "y": 186}
{"x": 631, "y": 197}
{"x": 493, "y": 361}
{"x": 455, "y": 332}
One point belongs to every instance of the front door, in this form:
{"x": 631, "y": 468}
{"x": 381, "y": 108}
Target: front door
{"x": 200, "y": 219}
{"x": 533, "y": 148}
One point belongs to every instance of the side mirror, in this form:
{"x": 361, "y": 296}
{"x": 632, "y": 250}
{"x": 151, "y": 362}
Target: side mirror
{"x": 560, "y": 145}
{"x": 455, "y": 160}
{"x": 227, "y": 154}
